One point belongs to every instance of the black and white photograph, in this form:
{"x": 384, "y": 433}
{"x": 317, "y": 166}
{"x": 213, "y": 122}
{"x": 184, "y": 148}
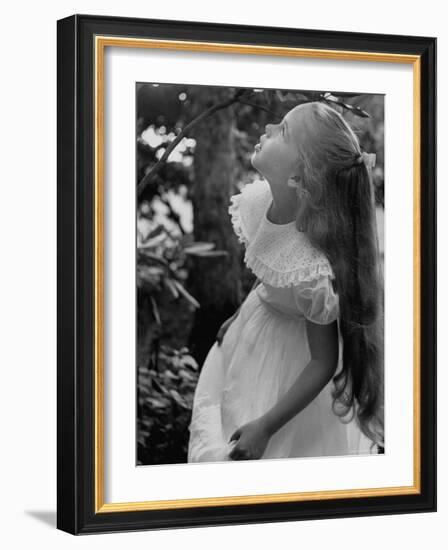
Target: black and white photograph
{"x": 259, "y": 273}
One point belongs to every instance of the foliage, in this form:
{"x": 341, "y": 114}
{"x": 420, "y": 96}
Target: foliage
{"x": 161, "y": 259}
{"x": 166, "y": 381}
{"x": 165, "y": 398}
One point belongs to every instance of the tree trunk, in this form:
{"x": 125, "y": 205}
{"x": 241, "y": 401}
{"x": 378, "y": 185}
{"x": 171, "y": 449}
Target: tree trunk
{"x": 215, "y": 282}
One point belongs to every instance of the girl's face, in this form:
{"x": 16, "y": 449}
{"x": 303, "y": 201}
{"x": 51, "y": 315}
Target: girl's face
{"x": 276, "y": 155}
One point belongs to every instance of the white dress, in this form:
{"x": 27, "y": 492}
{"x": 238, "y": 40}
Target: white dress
{"x": 266, "y": 348}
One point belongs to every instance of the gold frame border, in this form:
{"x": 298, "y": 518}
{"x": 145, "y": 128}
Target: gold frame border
{"x": 101, "y": 42}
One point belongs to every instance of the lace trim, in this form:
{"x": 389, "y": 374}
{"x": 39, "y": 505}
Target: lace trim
{"x": 279, "y": 255}
{"x": 235, "y": 215}
{"x": 276, "y": 278}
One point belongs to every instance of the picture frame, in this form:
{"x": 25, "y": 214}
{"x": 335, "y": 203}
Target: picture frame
{"x": 82, "y": 238}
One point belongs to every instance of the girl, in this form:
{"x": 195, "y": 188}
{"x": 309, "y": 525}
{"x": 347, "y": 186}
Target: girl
{"x": 297, "y": 371}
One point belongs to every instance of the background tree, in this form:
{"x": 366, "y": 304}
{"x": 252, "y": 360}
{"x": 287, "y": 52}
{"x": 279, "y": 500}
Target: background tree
{"x": 215, "y": 283}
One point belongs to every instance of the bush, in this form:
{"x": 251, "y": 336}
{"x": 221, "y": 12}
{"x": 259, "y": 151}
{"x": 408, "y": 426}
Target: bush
{"x": 165, "y": 400}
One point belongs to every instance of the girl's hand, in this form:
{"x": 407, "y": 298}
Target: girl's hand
{"x": 252, "y": 440}
{"x": 223, "y": 329}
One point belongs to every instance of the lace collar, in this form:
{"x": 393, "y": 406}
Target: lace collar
{"x": 278, "y": 254}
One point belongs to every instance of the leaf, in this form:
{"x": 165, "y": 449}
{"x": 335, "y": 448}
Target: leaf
{"x": 156, "y": 402}
{"x": 155, "y": 311}
{"x": 141, "y": 439}
{"x": 158, "y": 386}
{"x": 360, "y": 112}
{"x": 327, "y": 96}
{"x": 186, "y": 375}
{"x": 176, "y": 396}
{"x": 186, "y": 294}
{"x": 151, "y": 243}
{"x": 189, "y": 361}
{"x": 212, "y": 253}
{"x": 151, "y": 272}
{"x": 198, "y": 246}
{"x": 145, "y": 255}
{"x": 171, "y": 287}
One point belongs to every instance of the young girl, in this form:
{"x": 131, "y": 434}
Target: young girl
{"x": 299, "y": 370}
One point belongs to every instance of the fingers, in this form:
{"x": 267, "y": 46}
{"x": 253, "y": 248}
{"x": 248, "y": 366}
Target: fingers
{"x": 236, "y": 435}
{"x": 239, "y": 453}
{"x": 223, "y": 329}
{"x": 219, "y": 336}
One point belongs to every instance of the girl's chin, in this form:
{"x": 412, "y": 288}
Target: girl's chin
{"x": 256, "y": 165}
{"x": 255, "y": 158}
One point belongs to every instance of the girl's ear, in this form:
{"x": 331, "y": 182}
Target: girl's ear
{"x": 294, "y": 182}
{"x": 295, "y": 179}
{"x": 298, "y": 173}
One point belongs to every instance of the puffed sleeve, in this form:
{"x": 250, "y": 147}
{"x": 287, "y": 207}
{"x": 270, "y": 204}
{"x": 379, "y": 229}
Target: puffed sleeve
{"x": 317, "y": 300}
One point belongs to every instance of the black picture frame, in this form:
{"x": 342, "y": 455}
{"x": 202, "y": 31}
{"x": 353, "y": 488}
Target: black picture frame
{"x": 77, "y": 510}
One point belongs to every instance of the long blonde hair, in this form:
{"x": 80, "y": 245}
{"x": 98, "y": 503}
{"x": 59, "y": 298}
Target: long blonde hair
{"x": 339, "y": 218}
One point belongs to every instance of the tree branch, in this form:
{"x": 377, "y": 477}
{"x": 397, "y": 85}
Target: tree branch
{"x": 147, "y": 178}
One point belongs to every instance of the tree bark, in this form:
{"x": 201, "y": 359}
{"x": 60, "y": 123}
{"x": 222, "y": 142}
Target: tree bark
{"x": 215, "y": 282}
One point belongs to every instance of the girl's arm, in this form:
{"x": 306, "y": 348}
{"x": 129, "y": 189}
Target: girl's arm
{"x": 254, "y": 436}
{"x": 324, "y": 348}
